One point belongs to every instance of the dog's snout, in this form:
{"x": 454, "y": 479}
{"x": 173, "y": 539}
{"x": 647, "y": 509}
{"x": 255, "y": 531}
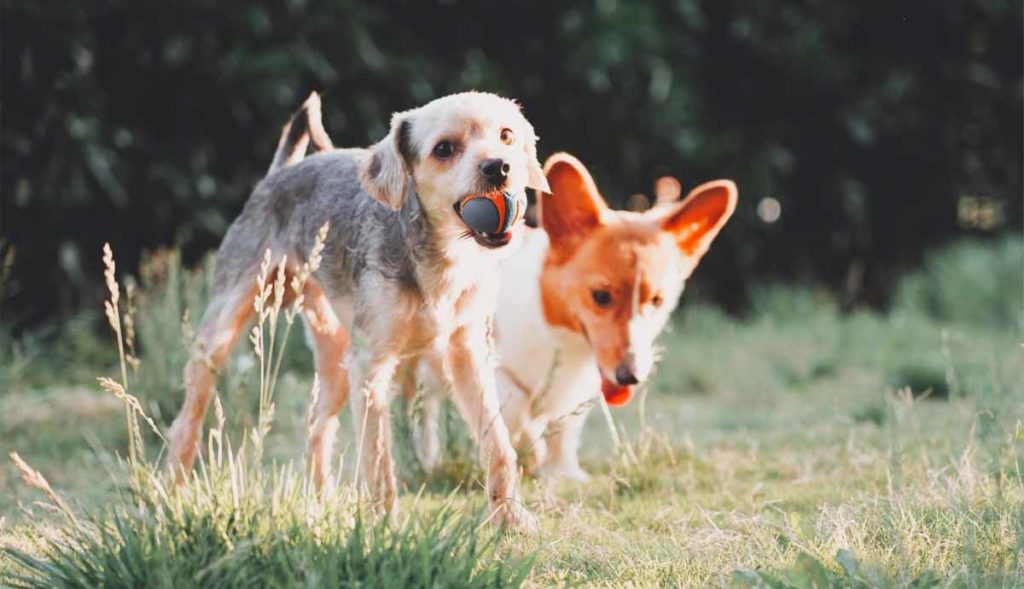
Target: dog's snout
{"x": 495, "y": 170}
{"x": 624, "y": 375}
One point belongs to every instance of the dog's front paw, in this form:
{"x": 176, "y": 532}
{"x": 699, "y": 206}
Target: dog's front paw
{"x": 512, "y": 515}
{"x": 555, "y": 471}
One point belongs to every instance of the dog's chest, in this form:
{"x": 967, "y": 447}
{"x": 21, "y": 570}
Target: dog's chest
{"x": 533, "y": 351}
{"x": 553, "y": 367}
{"x": 456, "y": 294}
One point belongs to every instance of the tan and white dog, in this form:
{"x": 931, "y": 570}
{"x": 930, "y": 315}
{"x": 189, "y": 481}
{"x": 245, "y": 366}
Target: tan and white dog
{"x": 579, "y": 309}
{"x": 581, "y": 304}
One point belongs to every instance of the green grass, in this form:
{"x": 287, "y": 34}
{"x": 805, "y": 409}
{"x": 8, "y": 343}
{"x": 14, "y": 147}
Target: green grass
{"x": 236, "y": 528}
{"x": 797, "y": 447}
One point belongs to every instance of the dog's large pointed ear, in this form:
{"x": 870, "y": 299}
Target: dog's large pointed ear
{"x": 385, "y": 173}
{"x": 535, "y": 178}
{"x": 697, "y": 220}
{"x": 572, "y": 206}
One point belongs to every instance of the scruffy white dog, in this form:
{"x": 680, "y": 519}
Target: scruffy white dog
{"x": 402, "y": 275}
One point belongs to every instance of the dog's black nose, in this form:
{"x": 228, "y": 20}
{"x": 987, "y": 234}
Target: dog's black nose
{"x": 624, "y": 374}
{"x": 495, "y": 170}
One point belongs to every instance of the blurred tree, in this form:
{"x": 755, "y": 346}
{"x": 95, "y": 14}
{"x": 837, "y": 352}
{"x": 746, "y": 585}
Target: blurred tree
{"x": 146, "y": 123}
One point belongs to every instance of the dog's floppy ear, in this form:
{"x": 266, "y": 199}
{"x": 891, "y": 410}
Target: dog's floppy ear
{"x": 385, "y": 174}
{"x": 697, "y": 220}
{"x": 572, "y": 206}
{"x": 535, "y": 178}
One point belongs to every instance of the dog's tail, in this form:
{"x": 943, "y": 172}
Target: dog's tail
{"x": 321, "y": 141}
{"x": 295, "y": 136}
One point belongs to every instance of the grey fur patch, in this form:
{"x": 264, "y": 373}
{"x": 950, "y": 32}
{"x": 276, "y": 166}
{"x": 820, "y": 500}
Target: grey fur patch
{"x": 374, "y": 168}
{"x": 288, "y": 206}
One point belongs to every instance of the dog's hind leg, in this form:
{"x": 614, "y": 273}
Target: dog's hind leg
{"x": 330, "y": 341}
{"x": 224, "y": 321}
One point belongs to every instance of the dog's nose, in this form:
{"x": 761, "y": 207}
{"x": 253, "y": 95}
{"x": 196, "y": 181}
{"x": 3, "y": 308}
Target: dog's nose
{"x": 495, "y": 170}
{"x": 624, "y": 374}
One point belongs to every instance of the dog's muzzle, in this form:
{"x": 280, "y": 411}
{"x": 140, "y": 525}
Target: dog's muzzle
{"x": 490, "y": 217}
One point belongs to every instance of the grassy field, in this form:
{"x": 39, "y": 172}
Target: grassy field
{"x": 794, "y": 447}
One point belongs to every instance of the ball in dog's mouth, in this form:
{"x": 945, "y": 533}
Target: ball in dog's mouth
{"x": 490, "y": 217}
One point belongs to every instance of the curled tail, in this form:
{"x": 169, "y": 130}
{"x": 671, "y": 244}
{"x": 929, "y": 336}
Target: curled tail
{"x": 321, "y": 141}
{"x": 295, "y": 136}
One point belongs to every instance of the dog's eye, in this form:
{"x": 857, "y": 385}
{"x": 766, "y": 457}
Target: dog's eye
{"x": 657, "y": 301}
{"x": 444, "y": 150}
{"x": 508, "y": 137}
{"x": 602, "y": 298}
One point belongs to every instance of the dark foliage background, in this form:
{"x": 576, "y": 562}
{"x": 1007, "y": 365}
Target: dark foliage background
{"x": 882, "y": 128}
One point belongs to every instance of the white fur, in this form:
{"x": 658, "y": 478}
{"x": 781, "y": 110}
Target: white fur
{"x": 473, "y": 123}
{"x": 548, "y": 377}
{"x": 557, "y": 366}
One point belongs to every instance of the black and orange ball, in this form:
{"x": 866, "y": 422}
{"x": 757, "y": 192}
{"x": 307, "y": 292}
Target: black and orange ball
{"x": 493, "y": 213}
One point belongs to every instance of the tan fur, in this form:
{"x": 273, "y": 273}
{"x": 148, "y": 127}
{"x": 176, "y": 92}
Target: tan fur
{"x": 621, "y": 252}
{"x": 221, "y": 327}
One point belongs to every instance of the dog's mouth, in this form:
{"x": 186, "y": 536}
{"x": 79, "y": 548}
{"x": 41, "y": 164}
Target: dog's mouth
{"x": 616, "y": 395}
{"x": 490, "y": 217}
{"x": 492, "y": 241}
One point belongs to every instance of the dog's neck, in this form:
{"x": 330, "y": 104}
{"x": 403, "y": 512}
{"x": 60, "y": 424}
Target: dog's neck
{"x": 416, "y": 229}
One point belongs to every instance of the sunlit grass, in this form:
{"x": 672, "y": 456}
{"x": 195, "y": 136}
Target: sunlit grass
{"x": 233, "y": 526}
{"x": 783, "y": 449}
{"x": 235, "y": 522}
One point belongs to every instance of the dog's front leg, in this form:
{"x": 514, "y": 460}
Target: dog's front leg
{"x": 469, "y": 366}
{"x": 370, "y": 383}
{"x": 563, "y": 446}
